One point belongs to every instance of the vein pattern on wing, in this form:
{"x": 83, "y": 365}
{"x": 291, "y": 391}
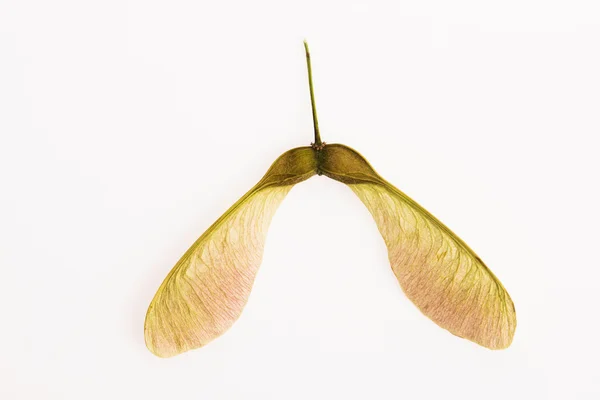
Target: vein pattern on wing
{"x": 438, "y": 272}
{"x": 205, "y": 292}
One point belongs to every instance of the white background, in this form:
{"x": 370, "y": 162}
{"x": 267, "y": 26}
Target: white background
{"x": 128, "y": 127}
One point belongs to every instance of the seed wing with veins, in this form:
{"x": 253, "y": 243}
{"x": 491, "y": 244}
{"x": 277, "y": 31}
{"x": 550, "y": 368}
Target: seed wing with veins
{"x": 438, "y": 272}
{"x": 205, "y": 292}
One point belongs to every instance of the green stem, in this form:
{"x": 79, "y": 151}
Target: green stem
{"x": 312, "y": 97}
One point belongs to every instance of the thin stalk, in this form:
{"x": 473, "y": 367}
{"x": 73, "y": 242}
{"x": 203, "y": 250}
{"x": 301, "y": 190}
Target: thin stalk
{"x": 318, "y": 142}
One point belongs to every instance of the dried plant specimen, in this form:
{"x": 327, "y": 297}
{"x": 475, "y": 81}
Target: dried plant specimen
{"x": 205, "y": 292}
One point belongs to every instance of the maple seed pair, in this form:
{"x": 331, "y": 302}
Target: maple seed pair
{"x": 205, "y": 292}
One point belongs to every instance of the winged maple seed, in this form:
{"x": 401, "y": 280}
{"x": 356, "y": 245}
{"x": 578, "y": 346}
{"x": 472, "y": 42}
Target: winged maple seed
{"x": 205, "y": 292}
